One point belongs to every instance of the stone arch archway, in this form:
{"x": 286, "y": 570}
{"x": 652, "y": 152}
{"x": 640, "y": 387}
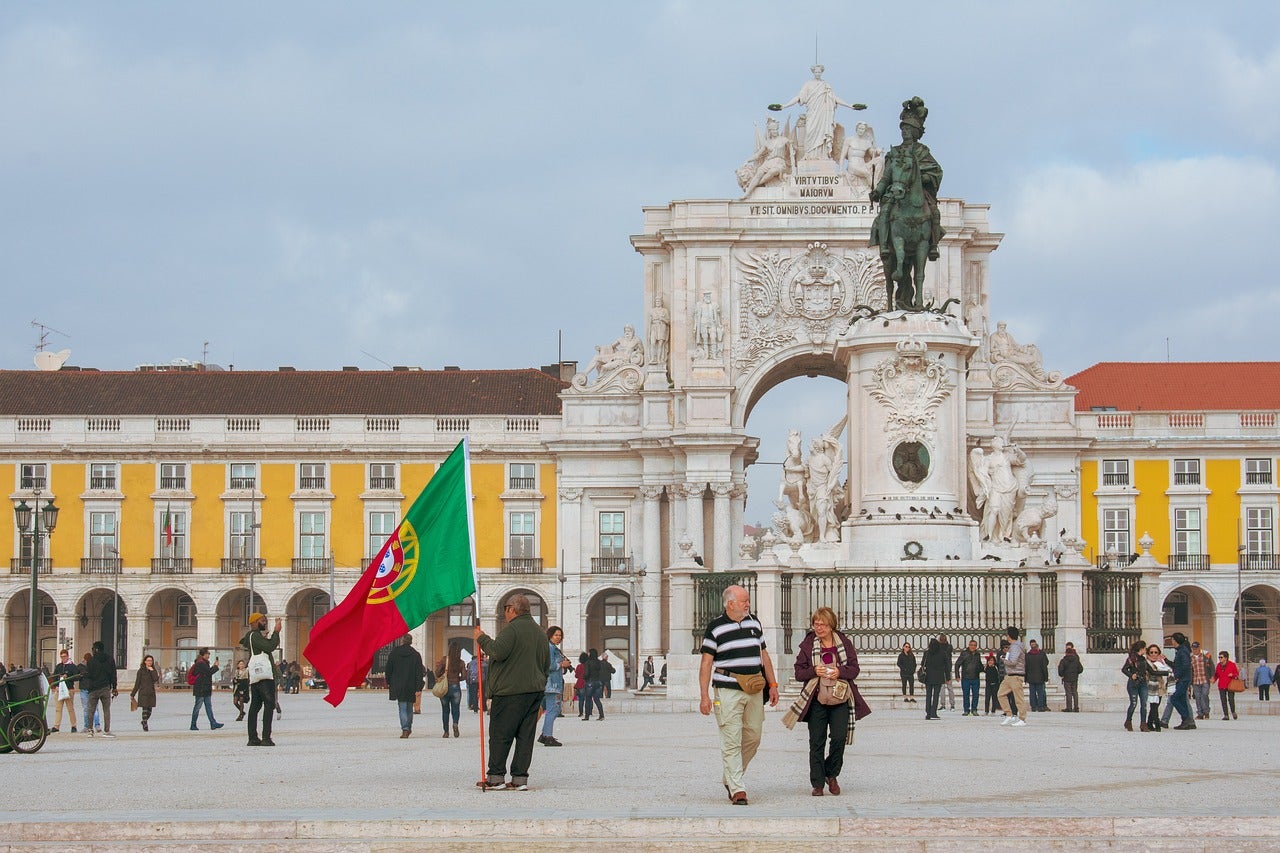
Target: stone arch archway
{"x": 1190, "y": 608}
{"x": 18, "y": 628}
{"x": 232, "y": 612}
{"x": 609, "y": 615}
{"x": 1259, "y": 605}
{"x": 780, "y": 367}
{"x": 301, "y": 612}
{"x": 537, "y": 606}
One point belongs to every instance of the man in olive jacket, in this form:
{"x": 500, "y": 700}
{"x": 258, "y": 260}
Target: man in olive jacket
{"x": 516, "y": 678}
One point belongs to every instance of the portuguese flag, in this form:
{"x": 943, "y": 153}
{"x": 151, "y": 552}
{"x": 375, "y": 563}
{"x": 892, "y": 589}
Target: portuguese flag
{"x": 428, "y": 563}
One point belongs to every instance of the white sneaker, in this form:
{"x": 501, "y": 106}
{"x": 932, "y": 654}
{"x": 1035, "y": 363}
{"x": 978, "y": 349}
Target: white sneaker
{"x": 1007, "y": 720}
{"x": 1020, "y": 723}
{"x": 107, "y": 734}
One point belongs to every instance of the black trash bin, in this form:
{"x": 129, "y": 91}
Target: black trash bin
{"x": 20, "y": 685}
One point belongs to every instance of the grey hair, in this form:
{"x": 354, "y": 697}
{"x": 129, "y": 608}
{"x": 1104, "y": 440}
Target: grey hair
{"x": 730, "y": 593}
{"x": 520, "y": 602}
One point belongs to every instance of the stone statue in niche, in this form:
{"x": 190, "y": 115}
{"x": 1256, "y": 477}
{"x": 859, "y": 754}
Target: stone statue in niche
{"x": 998, "y": 489}
{"x": 908, "y": 226}
{"x": 708, "y": 329}
{"x": 659, "y": 332}
{"x": 863, "y": 161}
{"x": 818, "y": 141}
{"x": 976, "y": 320}
{"x": 773, "y": 159}
{"x": 1004, "y": 348}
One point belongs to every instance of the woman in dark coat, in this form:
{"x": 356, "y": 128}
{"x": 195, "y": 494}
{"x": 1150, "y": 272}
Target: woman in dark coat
{"x": 992, "y": 672}
{"x": 144, "y": 688}
{"x": 826, "y": 655}
{"x": 405, "y": 677}
{"x": 935, "y": 673}
{"x": 907, "y": 672}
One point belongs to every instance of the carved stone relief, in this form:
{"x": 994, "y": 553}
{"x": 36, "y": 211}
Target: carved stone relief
{"x": 617, "y": 367}
{"x": 910, "y": 387}
{"x": 805, "y": 298}
{"x": 1018, "y": 366}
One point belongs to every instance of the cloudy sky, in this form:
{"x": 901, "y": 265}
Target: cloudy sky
{"x": 319, "y": 184}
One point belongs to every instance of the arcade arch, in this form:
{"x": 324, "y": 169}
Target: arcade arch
{"x": 609, "y": 617}
{"x": 1190, "y": 609}
{"x": 232, "y": 615}
{"x": 170, "y": 632}
{"x": 97, "y": 613}
{"x": 18, "y": 629}
{"x": 537, "y": 607}
{"x": 303, "y": 609}
{"x": 1260, "y": 607}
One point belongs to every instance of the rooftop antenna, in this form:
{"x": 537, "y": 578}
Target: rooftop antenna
{"x": 375, "y": 358}
{"x": 204, "y": 355}
{"x": 44, "y": 334}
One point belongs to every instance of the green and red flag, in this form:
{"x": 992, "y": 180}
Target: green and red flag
{"x": 167, "y": 527}
{"x": 428, "y": 563}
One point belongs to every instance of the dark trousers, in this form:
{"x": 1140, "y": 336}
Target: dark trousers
{"x": 1228, "y": 698}
{"x": 1153, "y": 716}
{"x": 826, "y": 721}
{"x": 1072, "y": 689}
{"x": 969, "y": 688}
{"x": 908, "y": 684}
{"x": 1264, "y": 692}
{"x": 992, "y": 704}
{"x": 1037, "y": 697}
{"x": 1178, "y": 701}
{"x": 932, "y": 692}
{"x": 512, "y": 719}
{"x": 595, "y": 689}
{"x": 262, "y": 697}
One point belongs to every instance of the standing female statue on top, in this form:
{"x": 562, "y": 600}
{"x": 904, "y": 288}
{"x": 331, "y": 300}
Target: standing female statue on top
{"x": 820, "y": 102}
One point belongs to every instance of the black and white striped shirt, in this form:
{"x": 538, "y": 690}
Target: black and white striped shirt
{"x": 734, "y": 647}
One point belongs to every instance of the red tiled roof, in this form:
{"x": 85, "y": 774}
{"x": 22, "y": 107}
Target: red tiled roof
{"x": 1188, "y": 386}
{"x": 414, "y": 392}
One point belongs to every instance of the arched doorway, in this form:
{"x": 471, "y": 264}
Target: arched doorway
{"x": 19, "y": 630}
{"x": 537, "y": 607}
{"x": 114, "y": 630}
{"x": 171, "y": 627}
{"x": 451, "y": 626}
{"x": 1189, "y": 609}
{"x": 609, "y": 625}
{"x": 1259, "y": 606}
{"x": 301, "y": 613}
{"x": 232, "y": 614}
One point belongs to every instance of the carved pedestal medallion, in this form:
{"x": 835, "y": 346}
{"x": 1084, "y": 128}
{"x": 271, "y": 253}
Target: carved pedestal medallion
{"x": 806, "y": 298}
{"x": 910, "y": 388}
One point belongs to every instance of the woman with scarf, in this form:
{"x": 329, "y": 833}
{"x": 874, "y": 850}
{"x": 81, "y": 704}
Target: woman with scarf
{"x": 1138, "y": 672}
{"x": 829, "y": 702}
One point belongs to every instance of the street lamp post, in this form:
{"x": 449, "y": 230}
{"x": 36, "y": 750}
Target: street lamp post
{"x": 26, "y": 516}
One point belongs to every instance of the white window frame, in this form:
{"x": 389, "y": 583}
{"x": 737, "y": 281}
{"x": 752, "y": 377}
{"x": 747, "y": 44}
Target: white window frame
{"x": 1259, "y": 472}
{"x": 1259, "y": 530}
{"x": 1113, "y": 532}
{"x": 185, "y": 606}
{"x": 179, "y": 549}
{"x": 99, "y": 541}
{"x": 307, "y": 471}
{"x": 1115, "y": 468}
{"x": 233, "y": 476}
{"x": 29, "y": 473}
{"x": 526, "y": 479}
{"x": 307, "y": 539}
{"x": 1186, "y": 472}
{"x": 375, "y": 537}
{"x": 1188, "y": 531}
{"x": 386, "y": 471}
{"x": 522, "y": 525}
{"x": 617, "y": 548}
{"x": 176, "y": 473}
{"x": 106, "y": 471}
{"x": 240, "y": 531}
{"x": 616, "y": 613}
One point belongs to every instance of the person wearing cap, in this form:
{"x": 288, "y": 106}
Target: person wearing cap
{"x": 262, "y": 693}
{"x": 1201, "y": 673}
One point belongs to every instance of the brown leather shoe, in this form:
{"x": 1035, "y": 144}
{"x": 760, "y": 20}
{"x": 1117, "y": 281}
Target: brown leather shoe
{"x": 1128, "y": 725}
{"x": 404, "y": 733}
{"x": 1142, "y": 727}
{"x": 817, "y": 792}
{"x": 833, "y": 786}
{"x": 739, "y": 799}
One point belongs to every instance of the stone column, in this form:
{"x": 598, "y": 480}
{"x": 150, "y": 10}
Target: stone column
{"x": 650, "y": 590}
{"x": 1033, "y": 608}
{"x": 737, "y": 515}
{"x": 1224, "y": 629}
{"x": 721, "y": 541}
{"x": 693, "y": 517}
{"x": 135, "y": 635}
{"x": 766, "y": 604}
{"x": 571, "y": 531}
{"x": 682, "y": 661}
{"x": 207, "y": 630}
{"x": 1071, "y": 627}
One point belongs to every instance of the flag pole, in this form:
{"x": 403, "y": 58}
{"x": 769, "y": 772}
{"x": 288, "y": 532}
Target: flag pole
{"x": 475, "y": 613}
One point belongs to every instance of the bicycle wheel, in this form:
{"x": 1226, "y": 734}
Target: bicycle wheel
{"x": 27, "y": 732}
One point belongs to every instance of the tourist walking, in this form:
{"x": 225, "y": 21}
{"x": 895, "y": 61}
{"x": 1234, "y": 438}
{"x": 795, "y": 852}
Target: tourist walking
{"x": 90, "y": 723}
{"x": 1201, "y": 675}
{"x": 647, "y": 673}
{"x": 1137, "y": 671}
{"x": 202, "y": 688}
{"x": 1263, "y": 678}
{"x": 907, "y": 672}
{"x": 100, "y": 682}
{"x": 607, "y": 670}
{"x": 1224, "y": 674}
{"x": 553, "y": 693}
{"x": 1069, "y": 669}
{"x": 240, "y": 688}
{"x": 1011, "y": 684}
{"x": 262, "y": 694}
{"x": 1181, "y": 672}
{"x": 454, "y": 671}
{"x": 992, "y": 673}
{"x": 520, "y": 664}
{"x": 406, "y": 674}
{"x": 969, "y": 670}
{"x": 829, "y": 702}
{"x": 143, "y": 694}
{"x": 734, "y": 678}
{"x": 581, "y": 689}
{"x": 1158, "y": 674}
{"x": 1037, "y": 676}
{"x": 65, "y": 676}
{"x": 934, "y": 672}
{"x": 595, "y": 684}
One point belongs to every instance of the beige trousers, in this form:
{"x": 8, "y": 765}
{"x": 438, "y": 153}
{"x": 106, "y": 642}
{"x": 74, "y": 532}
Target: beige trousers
{"x": 71, "y": 709}
{"x": 1010, "y": 685}
{"x": 741, "y": 719}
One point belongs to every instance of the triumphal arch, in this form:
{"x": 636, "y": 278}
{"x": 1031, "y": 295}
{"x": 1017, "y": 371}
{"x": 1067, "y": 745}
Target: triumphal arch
{"x": 945, "y": 499}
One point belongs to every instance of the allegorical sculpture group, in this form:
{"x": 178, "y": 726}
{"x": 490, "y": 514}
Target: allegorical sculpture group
{"x": 812, "y": 501}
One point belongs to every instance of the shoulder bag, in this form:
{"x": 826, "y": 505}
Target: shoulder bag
{"x": 1235, "y": 685}
{"x": 259, "y": 666}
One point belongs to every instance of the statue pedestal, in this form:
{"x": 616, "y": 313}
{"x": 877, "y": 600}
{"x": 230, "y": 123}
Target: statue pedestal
{"x": 907, "y": 442}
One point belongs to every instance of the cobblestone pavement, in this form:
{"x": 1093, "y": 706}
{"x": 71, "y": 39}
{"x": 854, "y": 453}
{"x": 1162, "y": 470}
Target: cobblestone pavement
{"x": 350, "y": 764}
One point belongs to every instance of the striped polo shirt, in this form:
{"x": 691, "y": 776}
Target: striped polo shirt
{"x": 735, "y": 647}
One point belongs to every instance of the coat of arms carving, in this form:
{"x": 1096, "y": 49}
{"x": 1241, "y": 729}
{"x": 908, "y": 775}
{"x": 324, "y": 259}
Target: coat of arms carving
{"x": 910, "y": 387}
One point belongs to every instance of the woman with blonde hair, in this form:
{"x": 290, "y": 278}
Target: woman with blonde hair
{"x": 829, "y": 702}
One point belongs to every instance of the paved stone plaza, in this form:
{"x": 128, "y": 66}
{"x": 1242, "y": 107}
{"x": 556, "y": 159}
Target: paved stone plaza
{"x": 344, "y": 777}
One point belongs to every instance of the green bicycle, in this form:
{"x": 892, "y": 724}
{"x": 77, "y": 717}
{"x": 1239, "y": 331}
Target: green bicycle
{"x": 22, "y": 712}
